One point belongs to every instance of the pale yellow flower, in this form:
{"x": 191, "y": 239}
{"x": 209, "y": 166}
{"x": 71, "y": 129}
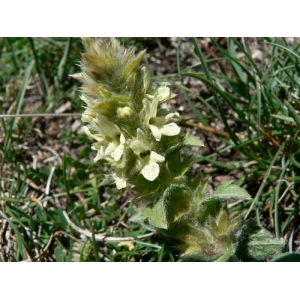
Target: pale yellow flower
{"x": 162, "y": 94}
{"x": 110, "y": 141}
{"x": 147, "y": 160}
{"x": 159, "y": 120}
{"x": 119, "y": 178}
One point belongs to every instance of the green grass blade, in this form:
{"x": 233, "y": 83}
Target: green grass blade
{"x": 206, "y": 71}
{"x": 19, "y": 238}
{"x": 264, "y": 182}
{"x": 40, "y": 71}
{"x": 231, "y": 60}
{"x": 276, "y": 206}
{"x": 258, "y": 99}
{"x": 20, "y": 99}
{"x": 250, "y": 60}
{"x": 204, "y": 101}
{"x": 229, "y": 98}
{"x": 62, "y": 65}
{"x": 283, "y": 118}
{"x": 285, "y": 48}
{"x": 161, "y": 253}
{"x": 190, "y": 102}
{"x": 293, "y": 113}
{"x": 14, "y": 57}
{"x": 236, "y": 67}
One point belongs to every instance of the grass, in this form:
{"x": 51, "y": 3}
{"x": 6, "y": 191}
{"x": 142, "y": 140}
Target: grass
{"x": 265, "y": 99}
{"x": 46, "y": 164}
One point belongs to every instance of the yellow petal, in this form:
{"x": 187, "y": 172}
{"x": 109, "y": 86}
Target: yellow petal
{"x": 150, "y": 171}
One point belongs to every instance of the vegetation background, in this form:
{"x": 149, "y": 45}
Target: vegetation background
{"x": 243, "y": 102}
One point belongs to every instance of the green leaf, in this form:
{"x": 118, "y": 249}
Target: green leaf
{"x": 59, "y": 254}
{"x": 58, "y": 217}
{"x": 156, "y": 215}
{"x": 192, "y": 141}
{"x": 179, "y": 167}
{"x": 210, "y": 207}
{"x": 199, "y": 185}
{"x": 213, "y": 203}
{"x": 257, "y": 243}
{"x": 287, "y": 257}
{"x": 226, "y": 191}
{"x": 178, "y": 204}
{"x": 223, "y": 222}
{"x": 40, "y": 213}
{"x": 139, "y": 218}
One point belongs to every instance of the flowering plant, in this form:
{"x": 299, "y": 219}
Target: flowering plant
{"x": 135, "y": 132}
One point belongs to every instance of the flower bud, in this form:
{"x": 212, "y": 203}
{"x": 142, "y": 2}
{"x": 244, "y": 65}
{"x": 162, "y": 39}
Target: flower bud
{"x": 124, "y": 112}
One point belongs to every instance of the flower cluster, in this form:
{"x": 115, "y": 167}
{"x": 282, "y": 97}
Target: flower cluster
{"x": 125, "y": 115}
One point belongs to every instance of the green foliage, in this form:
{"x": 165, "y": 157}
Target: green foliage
{"x": 264, "y": 98}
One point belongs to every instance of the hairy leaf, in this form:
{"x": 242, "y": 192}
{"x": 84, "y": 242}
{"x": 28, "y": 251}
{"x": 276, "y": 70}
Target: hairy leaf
{"x": 228, "y": 191}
